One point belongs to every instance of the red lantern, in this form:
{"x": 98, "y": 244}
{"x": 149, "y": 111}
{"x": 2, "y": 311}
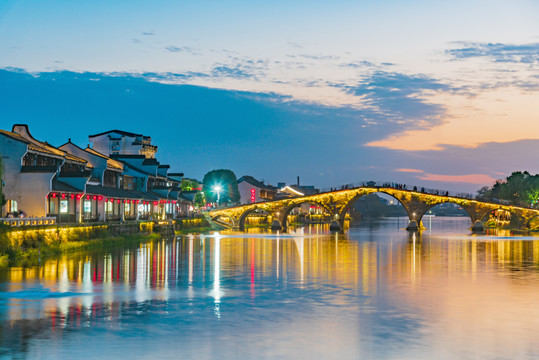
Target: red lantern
{"x": 72, "y": 196}
{"x": 53, "y": 195}
{"x": 87, "y": 197}
{"x": 155, "y": 202}
{"x": 111, "y": 200}
{"x": 95, "y": 197}
{"x": 118, "y": 201}
{"x": 79, "y": 196}
{"x": 63, "y": 196}
{"x": 100, "y": 198}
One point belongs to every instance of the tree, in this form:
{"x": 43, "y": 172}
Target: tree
{"x": 226, "y": 179}
{"x": 2, "y": 199}
{"x": 190, "y": 184}
{"x": 519, "y": 188}
{"x": 199, "y": 199}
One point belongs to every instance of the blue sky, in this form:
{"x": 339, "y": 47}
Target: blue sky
{"x": 431, "y": 93}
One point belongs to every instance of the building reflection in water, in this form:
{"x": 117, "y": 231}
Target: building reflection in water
{"x": 439, "y": 278}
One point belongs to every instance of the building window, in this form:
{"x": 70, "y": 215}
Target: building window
{"x": 87, "y": 206}
{"x": 52, "y": 206}
{"x": 108, "y": 207}
{"x": 12, "y": 206}
{"x": 128, "y": 183}
{"x": 64, "y": 206}
{"x": 127, "y": 208}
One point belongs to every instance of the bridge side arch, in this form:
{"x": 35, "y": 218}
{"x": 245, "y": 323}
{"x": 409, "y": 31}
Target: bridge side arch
{"x": 218, "y": 219}
{"x": 529, "y": 223}
{"x": 285, "y": 211}
{"x": 473, "y": 214}
{"x": 245, "y": 214}
{"x": 343, "y": 210}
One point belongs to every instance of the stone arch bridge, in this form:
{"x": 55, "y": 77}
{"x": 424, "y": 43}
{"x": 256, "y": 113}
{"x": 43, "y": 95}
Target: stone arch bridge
{"x": 337, "y": 203}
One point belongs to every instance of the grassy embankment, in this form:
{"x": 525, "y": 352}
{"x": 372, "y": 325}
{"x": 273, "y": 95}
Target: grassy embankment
{"x": 193, "y": 226}
{"x": 28, "y": 245}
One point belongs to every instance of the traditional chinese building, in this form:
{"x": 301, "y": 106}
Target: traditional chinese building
{"x": 74, "y": 184}
{"x": 253, "y": 191}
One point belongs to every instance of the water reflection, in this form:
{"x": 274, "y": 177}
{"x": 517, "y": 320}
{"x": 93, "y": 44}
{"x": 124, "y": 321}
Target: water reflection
{"x": 376, "y": 291}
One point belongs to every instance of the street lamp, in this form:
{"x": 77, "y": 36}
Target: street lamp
{"x": 217, "y": 189}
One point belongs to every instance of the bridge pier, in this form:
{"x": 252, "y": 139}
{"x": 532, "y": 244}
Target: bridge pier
{"x": 478, "y": 226}
{"x": 335, "y": 226}
{"x": 413, "y": 226}
{"x": 276, "y": 225}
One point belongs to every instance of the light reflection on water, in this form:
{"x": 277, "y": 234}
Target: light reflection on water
{"x": 374, "y": 292}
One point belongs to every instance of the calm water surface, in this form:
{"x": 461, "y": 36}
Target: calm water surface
{"x": 375, "y": 292}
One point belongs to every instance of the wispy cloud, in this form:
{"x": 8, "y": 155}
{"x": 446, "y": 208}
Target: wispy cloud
{"x": 498, "y": 52}
{"x": 148, "y": 33}
{"x": 232, "y": 72}
{"x": 359, "y": 64}
{"x": 175, "y": 49}
{"x": 399, "y": 98}
{"x": 315, "y": 57}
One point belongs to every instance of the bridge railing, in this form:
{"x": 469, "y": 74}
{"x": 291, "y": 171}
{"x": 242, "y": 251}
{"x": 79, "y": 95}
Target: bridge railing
{"x": 401, "y": 186}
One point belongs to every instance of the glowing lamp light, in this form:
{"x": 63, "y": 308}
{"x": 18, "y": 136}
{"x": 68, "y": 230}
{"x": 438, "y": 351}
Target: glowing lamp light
{"x": 53, "y": 195}
{"x": 79, "y": 196}
{"x": 63, "y": 196}
{"x": 217, "y": 189}
{"x": 100, "y": 198}
{"x": 72, "y": 196}
{"x": 118, "y": 201}
{"x": 155, "y": 203}
{"x": 95, "y": 197}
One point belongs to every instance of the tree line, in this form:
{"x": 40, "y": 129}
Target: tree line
{"x": 519, "y": 189}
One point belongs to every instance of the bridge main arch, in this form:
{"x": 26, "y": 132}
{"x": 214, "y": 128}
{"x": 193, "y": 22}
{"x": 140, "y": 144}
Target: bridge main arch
{"x": 394, "y": 194}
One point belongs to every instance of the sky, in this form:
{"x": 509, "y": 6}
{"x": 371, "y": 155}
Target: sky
{"x": 430, "y": 93}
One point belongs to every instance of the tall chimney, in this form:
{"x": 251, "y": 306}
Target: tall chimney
{"x": 298, "y": 180}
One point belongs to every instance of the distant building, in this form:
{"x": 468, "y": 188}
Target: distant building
{"x": 296, "y": 190}
{"x": 253, "y": 191}
{"x": 290, "y": 191}
{"x": 118, "y": 142}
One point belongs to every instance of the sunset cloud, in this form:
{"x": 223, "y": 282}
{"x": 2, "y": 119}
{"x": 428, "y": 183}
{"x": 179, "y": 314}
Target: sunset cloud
{"x": 409, "y": 170}
{"x": 470, "y": 179}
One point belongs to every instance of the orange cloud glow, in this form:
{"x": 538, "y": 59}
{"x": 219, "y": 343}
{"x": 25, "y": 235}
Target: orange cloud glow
{"x": 498, "y": 115}
{"x": 409, "y": 170}
{"x": 470, "y": 179}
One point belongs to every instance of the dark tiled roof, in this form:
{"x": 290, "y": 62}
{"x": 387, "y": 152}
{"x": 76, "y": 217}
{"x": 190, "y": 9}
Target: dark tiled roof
{"x": 121, "y": 132}
{"x": 184, "y": 198}
{"x": 150, "y": 162}
{"x": 114, "y": 164}
{"x": 63, "y": 187}
{"x": 251, "y": 180}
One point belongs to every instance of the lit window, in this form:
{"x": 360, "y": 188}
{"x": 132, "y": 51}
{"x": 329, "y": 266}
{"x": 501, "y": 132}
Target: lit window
{"x": 87, "y": 206}
{"x": 12, "y": 206}
{"x": 64, "y": 206}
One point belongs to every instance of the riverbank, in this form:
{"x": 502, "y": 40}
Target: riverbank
{"x": 26, "y": 246}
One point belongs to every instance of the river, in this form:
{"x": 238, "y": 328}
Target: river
{"x": 375, "y": 292}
